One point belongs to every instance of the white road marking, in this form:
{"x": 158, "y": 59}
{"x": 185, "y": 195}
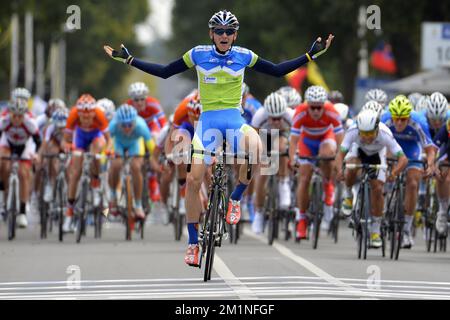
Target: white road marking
{"x": 308, "y": 265}
{"x": 231, "y": 280}
{"x": 285, "y": 287}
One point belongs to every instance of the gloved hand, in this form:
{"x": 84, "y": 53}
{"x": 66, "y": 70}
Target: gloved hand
{"x": 123, "y": 55}
{"x": 318, "y": 48}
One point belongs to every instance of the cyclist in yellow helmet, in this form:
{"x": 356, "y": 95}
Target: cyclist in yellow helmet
{"x": 411, "y": 131}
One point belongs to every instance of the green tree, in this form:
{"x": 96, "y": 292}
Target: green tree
{"x": 283, "y": 29}
{"x": 102, "y": 22}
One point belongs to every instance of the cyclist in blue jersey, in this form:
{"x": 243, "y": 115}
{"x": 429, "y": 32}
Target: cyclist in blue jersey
{"x": 249, "y": 104}
{"x": 442, "y": 140}
{"x": 436, "y": 112}
{"x": 410, "y": 129}
{"x": 249, "y": 107}
{"x": 127, "y": 129}
{"x": 220, "y": 71}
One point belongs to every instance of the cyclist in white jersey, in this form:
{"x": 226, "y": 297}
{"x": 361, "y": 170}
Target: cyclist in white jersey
{"x": 274, "y": 118}
{"x": 366, "y": 142}
{"x": 19, "y": 130}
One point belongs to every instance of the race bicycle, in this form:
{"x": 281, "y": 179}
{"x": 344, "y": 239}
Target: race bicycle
{"x": 214, "y": 224}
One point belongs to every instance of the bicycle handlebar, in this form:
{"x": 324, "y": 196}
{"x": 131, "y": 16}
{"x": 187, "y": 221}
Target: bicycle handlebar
{"x": 365, "y": 165}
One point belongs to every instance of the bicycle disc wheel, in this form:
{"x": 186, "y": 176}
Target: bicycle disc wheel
{"x": 214, "y": 212}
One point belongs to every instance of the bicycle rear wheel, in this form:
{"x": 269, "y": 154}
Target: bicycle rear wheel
{"x": 210, "y": 235}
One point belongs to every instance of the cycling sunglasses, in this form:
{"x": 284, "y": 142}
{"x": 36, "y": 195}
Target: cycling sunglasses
{"x": 276, "y": 118}
{"x": 368, "y": 134}
{"x": 139, "y": 99}
{"x": 220, "y": 32}
{"x": 403, "y": 119}
{"x": 316, "y": 108}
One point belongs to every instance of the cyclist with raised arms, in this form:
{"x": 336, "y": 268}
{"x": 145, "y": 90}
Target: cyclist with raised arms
{"x": 366, "y": 142}
{"x": 220, "y": 70}
{"x": 275, "y": 115}
{"x": 410, "y": 129}
{"x": 17, "y": 127}
{"x": 316, "y": 131}
{"x": 88, "y": 126}
{"x": 127, "y": 129}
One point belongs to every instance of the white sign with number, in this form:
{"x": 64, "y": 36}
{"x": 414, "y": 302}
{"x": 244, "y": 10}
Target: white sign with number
{"x": 435, "y": 44}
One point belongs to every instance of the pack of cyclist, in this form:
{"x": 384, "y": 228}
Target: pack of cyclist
{"x": 302, "y": 133}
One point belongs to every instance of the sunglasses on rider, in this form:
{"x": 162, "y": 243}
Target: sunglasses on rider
{"x": 139, "y": 99}
{"x": 402, "y": 119}
{"x": 368, "y": 134}
{"x": 316, "y": 108}
{"x": 220, "y": 32}
{"x": 275, "y": 118}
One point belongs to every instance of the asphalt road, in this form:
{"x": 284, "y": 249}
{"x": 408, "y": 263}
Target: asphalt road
{"x": 153, "y": 268}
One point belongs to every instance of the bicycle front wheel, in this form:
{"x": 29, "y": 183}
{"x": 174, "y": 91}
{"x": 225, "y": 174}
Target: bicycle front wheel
{"x": 211, "y": 234}
{"x": 316, "y": 206}
{"x": 60, "y": 205}
{"x": 82, "y": 214}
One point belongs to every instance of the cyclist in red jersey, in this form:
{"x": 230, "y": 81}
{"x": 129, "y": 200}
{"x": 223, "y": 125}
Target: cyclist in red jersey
{"x": 147, "y": 107}
{"x": 150, "y": 109}
{"x": 316, "y": 131}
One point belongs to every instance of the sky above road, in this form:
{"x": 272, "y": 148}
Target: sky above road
{"x": 157, "y": 24}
